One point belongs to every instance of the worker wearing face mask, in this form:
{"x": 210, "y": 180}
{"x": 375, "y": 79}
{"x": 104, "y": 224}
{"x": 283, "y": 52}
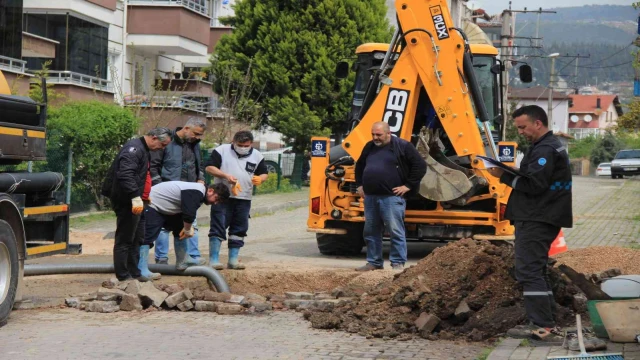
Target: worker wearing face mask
{"x": 240, "y": 167}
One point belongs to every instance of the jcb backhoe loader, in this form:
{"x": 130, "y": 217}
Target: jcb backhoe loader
{"x": 442, "y": 94}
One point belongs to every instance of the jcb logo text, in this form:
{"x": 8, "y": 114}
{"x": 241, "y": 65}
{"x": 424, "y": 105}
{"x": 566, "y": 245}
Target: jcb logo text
{"x": 439, "y": 23}
{"x": 395, "y": 108}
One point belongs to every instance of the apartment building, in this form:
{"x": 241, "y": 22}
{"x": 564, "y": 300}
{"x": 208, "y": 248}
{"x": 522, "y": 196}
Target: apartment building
{"x": 147, "y": 54}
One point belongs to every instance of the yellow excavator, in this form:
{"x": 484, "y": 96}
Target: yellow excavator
{"x": 441, "y": 93}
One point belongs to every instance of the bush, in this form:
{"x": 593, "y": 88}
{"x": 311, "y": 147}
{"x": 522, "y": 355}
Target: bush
{"x": 271, "y": 185}
{"x": 606, "y": 148}
{"x": 581, "y": 149}
{"x": 95, "y": 132}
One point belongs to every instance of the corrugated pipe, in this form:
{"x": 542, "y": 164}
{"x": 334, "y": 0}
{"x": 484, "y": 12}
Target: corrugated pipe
{"x": 212, "y": 275}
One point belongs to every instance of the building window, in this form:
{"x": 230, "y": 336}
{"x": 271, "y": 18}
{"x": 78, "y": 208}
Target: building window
{"x": 10, "y": 25}
{"x": 86, "y": 50}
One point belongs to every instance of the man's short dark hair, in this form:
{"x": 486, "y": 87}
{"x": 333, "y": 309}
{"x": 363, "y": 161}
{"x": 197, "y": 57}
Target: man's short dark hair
{"x": 222, "y": 190}
{"x": 243, "y": 136}
{"x": 534, "y": 112}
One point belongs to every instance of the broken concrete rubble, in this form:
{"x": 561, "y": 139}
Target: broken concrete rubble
{"x": 177, "y": 298}
{"x": 185, "y": 306}
{"x": 426, "y": 323}
{"x": 130, "y": 302}
{"x": 205, "y": 306}
{"x": 149, "y": 295}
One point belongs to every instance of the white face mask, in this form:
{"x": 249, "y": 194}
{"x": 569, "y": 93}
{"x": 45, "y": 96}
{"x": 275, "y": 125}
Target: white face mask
{"x": 242, "y": 150}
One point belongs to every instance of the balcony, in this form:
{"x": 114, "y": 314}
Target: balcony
{"x": 73, "y": 78}
{"x": 172, "y": 27}
{"x": 172, "y": 101}
{"x": 12, "y": 65}
{"x": 200, "y": 7}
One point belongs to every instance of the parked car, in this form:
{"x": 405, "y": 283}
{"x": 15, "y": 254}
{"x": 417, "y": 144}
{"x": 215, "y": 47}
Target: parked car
{"x": 280, "y": 160}
{"x": 604, "y": 169}
{"x": 626, "y": 162}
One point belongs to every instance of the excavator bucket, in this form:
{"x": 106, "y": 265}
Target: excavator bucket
{"x": 440, "y": 183}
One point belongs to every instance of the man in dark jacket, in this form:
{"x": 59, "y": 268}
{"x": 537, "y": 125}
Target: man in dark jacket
{"x": 539, "y": 205}
{"x": 129, "y": 181}
{"x": 181, "y": 160}
{"x": 388, "y": 169}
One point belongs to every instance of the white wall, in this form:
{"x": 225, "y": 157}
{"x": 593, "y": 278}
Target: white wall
{"x": 608, "y": 118}
{"x": 218, "y": 9}
{"x": 560, "y": 115}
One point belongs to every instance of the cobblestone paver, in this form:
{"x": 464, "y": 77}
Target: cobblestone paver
{"x": 72, "y": 334}
{"x": 606, "y": 212}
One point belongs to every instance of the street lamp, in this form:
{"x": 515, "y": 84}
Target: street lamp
{"x": 551, "y": 80}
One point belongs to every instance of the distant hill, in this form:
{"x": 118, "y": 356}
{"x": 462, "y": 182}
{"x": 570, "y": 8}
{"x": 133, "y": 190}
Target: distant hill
{"x": 611, "y": 24}
{"x": 586, "y": 13}
{"x": 605, "y": 32}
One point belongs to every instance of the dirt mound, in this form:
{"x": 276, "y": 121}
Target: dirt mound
{"x": 599, "y": 258}
{"x": 468, "y": 285}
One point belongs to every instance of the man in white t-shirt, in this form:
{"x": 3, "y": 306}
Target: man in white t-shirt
{"x": 240, "y": 167}
{"x": 174, "y": 207}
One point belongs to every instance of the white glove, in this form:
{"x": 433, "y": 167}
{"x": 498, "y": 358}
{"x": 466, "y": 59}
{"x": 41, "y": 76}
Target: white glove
{"x": 136, "y": 205}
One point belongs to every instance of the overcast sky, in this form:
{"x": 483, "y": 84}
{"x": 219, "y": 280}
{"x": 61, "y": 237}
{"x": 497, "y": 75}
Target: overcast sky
{"x": 496, "y": 6}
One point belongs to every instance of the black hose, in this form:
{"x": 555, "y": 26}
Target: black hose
{"x": 212, "y": 275}
{"x": 26, "y": 182}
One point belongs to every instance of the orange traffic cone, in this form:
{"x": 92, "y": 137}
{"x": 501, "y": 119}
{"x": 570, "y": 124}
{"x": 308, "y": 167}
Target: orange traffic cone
{"x": 558, "y": 246}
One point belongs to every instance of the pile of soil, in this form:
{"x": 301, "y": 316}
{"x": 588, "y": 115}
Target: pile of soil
{"x": 476, "y": 273}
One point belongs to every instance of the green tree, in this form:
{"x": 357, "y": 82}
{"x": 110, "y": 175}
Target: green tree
{"x": 293, "y": 48}
{"x": 94, "y": 131}
{"x": 511, "y": 132}
{"x": 606, "y": 148}
{"x": 630, "y": 120}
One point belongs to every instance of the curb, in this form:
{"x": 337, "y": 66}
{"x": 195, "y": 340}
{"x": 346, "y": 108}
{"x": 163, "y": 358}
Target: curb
{"x": 266, "y": 209}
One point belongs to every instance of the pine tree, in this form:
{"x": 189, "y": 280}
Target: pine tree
{"x": 294, "y": 46}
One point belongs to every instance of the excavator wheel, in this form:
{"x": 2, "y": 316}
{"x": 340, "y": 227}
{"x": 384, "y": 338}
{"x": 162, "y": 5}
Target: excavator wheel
{"x": 349, "y": 244}
{"x": 8, "y": 270}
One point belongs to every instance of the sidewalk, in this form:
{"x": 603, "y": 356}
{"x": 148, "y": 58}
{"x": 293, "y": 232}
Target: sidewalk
{"x": 267, "y": 204}
{"x": 510, "y": 349}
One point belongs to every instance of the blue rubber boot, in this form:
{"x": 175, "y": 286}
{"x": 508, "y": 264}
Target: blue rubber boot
{"x": 143, "y": 264}
{"x": 233, "y": 263}
{"x": 183, "y": 260}
{"x": 214, "y": 253}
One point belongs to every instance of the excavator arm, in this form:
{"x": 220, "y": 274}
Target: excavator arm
{"x": 433, "y": 59}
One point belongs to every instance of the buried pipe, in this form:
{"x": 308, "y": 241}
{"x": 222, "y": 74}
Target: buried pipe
{"x": 212, "y": 275}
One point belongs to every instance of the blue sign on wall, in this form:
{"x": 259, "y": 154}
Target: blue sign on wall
{"x": 506, "y": 153}
{"x": 318, "y": 148}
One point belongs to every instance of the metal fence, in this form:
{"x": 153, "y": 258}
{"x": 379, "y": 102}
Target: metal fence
{"x": 287, "y": 172}
{"x": 60, "y": 160}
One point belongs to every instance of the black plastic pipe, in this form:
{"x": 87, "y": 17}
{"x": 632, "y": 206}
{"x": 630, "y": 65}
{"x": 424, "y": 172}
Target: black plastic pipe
{"x": 25, "y": 182}
{"x": 211, "y": 274}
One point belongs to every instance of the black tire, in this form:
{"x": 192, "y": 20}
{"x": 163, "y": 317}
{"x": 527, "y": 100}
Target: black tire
{"x": 349, "y": 244}
{"x": 8, "y": 270}
{"x": 272, "y": 167}
{"x": 614, "y": 176}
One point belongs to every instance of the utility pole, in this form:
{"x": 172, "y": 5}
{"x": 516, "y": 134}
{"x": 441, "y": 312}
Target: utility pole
{"x": 551, "y": 82}
{"x": 506, "y": 50}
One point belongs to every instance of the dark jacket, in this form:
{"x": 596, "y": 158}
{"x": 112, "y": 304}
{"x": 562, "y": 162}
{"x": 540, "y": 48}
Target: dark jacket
{"x": 128, "y": 172}
{"x": 412, "y": 166}
{"x": 543, "y": 193}
{"x": 167, "y": 165}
